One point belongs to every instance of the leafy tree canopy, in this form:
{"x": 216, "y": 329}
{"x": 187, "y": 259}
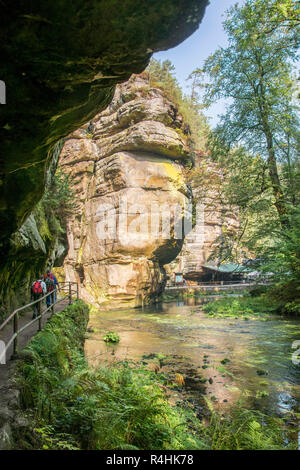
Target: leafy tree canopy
{"x": 256, "y": 143}
{"x": 255, "y": 74}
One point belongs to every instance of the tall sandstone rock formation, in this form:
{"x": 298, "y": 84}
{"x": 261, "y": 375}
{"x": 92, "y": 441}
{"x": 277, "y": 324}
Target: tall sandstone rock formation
{"x": 126, "y": 173}
{"x": 206, "y": 242}
{"x": 60, "y": 63}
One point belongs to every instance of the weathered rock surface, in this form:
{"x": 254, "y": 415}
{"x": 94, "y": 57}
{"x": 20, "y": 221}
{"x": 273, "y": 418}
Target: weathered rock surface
{"x": 128, "y": 160}
{"x": 60, "y": 62}
{"x": 26, "y": 257}
{"x": 10, "y": 416}
{"x": 31, "y": 251}
{"x": 205, "y": 241}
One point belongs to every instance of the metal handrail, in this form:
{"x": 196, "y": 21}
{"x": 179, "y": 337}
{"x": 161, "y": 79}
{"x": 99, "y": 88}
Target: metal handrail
{"x": 216, "y": 283}
{"x": 15, "y": 314}
{"x": 219, "y": 283}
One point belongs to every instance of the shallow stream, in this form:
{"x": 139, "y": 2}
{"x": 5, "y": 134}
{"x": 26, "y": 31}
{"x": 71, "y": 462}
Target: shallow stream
{"x": 225, "y": 359}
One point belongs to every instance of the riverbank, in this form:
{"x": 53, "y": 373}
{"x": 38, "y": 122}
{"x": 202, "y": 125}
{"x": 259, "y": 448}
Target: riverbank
{"x": 68, "y": 404}
{"x": 259, "y": 303}
{"x": 208, "y": 289}
{"x": 245, "y": 306}
{"x": 238, "y": 366}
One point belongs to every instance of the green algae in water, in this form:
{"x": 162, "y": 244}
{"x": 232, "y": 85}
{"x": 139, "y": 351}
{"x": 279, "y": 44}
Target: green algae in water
{"x": 225, "y": 371}
{"x": 260, "y": 348}
{"x": 111, "y": 337}
{"x": 263, "y": 383}
{"x": 261, "y": 394}
{"x": 232, "y": 388}
{"x": 225, "y": 361}
{"x": 262, "y": 372}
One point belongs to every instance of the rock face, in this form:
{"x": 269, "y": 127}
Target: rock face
{"x": 60, "y": 62}
{"x": 27, "y": 258}
{"x": 126, "y": 171}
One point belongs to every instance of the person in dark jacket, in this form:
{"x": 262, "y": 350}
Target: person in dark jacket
{"x": 56, "y": 285}
{"x": 49, "y": 281}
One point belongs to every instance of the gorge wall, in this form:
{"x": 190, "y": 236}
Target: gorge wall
{"x": 126, "y": 169}
{"x": 60, "y": 62}
{"x": 215, "y": 219}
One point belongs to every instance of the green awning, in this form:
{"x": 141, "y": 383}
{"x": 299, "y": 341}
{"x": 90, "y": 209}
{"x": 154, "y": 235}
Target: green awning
{"x": 229, "y": 268}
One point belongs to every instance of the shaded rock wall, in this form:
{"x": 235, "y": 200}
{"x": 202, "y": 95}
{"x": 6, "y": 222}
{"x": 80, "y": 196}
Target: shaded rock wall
{"x": 29, "y": 255}
{"x": 129, "y": 160}
{"x": 60, "y": 62}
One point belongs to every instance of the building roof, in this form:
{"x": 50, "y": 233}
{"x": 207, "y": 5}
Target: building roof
{"x": 228, "y": 268}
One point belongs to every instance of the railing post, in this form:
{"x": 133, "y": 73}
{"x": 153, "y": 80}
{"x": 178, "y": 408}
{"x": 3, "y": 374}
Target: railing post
{"x": 54, "y": 293}
{"x": 40, "y": 324}
{"x": 40, "y": 316}
{"x": 77, "y": 291}
{"x": 70, "y": 294}
{"x": 16, "y": 328}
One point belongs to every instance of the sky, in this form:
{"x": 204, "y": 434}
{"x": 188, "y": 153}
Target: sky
{"x": 192, "y": 53}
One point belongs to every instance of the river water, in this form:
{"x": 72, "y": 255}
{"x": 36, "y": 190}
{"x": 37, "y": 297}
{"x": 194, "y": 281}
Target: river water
{"x": 224, "y": 358}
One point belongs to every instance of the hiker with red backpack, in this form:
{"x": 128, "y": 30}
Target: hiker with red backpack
{"x": 49, "y": 281}
{"x": 38, "y": 289}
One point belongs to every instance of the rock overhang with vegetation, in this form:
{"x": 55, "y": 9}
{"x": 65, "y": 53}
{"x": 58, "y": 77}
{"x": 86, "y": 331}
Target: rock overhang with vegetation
{"x": 60, "y": 63}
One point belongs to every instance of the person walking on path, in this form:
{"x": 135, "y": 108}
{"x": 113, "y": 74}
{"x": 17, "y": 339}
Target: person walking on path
{"x": 38, "y": 289}
{"x": 49, "y": 281}
{"x": 56, "y": 285}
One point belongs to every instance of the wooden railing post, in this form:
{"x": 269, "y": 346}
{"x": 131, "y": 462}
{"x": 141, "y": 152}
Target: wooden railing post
{"x": 54, "y": 293}
{"x": 40, "y": 316}
{"x": 70, "y": 294}
{"x": 77, "y": 291}
{"x": 16, "y": 329}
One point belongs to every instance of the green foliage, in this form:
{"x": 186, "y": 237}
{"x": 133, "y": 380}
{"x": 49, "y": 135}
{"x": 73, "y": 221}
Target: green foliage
{"x": 244, "y": 429}
{"x": 238, "y": 183}
{"x": 279, "y": 15}
{"x": 75, "y": 406}
{"x": 256, "y": 144}
{"x": 255, "y": 74}
{"x": 243, "y": 187}
{"x": 246, "y": 306}
{"x": 161, "y": 74}
{"x": 283, "y": 261}
{"x": 57, "y": 203}
{"x": 49, "y": 440}
{"x": 111, "y": 337}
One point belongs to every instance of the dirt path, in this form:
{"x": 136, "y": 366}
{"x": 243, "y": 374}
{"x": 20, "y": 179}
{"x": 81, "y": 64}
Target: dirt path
{"x": 24, "y": 337}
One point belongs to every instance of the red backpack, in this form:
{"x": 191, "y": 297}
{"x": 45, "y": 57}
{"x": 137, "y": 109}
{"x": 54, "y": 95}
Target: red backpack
{"x": 37, "y": 287}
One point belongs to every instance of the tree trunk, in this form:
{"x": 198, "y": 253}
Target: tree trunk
{"x": 272, "y": 164}
{"x": 276, "y": 186}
